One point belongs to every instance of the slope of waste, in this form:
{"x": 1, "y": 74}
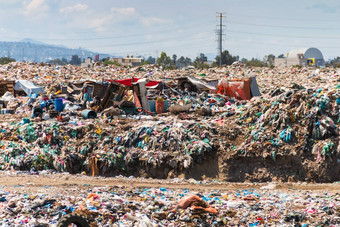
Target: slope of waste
{"x": 288, "y": 133}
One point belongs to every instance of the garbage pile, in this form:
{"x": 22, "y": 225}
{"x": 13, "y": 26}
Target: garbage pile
{"x": 255, "y": 124}
{"x": 290, "y": 122}
{"x": 120, "y": 145}
{"x": 117, "y": 206}
{"x": 291, "y": 116}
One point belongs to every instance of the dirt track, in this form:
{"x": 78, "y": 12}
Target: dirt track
{"x": 66, "y": 181}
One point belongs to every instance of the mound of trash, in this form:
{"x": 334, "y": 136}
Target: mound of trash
{"x": 234, "y": 123}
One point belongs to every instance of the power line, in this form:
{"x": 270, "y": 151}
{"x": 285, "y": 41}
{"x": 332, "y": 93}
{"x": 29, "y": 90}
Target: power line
{"x": 150, "y": 42}
{"x": 129, "y": 35}
{"x": 278, "y": 44}
{"x": 285, "y": 36}
{"x": 181, "y": 37}
{"x": 148, "y": 51}
{"x": 167, "y": 39}
{"x": 282, "y": 18}
{"x": 282, "y": 26}
{"x": 172, "y": 29}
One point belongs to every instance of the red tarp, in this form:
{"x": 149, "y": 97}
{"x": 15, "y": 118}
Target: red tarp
{"x": 238, "y": 88}
{"x": 128, "y": 82}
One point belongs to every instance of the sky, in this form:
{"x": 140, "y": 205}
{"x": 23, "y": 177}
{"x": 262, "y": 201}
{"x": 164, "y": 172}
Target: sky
{"x": 182, "y": 27}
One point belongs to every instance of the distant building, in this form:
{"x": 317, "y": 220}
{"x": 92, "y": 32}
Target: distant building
{"x": 88, "y": 63}
{"x": 303, "y": 57}
{"x": 128, "y": 61}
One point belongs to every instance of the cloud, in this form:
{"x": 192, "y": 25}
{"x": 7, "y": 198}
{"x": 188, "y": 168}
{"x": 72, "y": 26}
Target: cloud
{"x": 116, "y": 14}
{"x": 37, "y": 8}
{"x": 75, "y": 8}
{"x": 74, "y": 15}
{"x": 12, "y": 2}
{"x": 97, "y": 23}
{"x": 203, "y": 35}
{"x": 323, "y": 7}
{"x": 123, "y": 11}
{"x": 149, "y": 21}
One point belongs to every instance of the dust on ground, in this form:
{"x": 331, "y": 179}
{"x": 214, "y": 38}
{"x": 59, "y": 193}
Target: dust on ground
{"x": 67, "y": 181}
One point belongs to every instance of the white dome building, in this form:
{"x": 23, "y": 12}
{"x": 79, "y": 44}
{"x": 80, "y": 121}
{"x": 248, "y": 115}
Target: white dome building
{"x": 300, "y": 57}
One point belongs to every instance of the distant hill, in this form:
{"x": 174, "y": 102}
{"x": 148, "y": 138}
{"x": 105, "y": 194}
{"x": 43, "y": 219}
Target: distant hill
{"x": 31, "y": 50}
{"x": 28, "y": 40}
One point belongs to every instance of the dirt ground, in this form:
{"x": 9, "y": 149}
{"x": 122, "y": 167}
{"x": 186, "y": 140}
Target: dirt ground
{"x": 67, "y": 181}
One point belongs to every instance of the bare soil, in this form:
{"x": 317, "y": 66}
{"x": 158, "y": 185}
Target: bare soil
{"x": 67, "y": 181}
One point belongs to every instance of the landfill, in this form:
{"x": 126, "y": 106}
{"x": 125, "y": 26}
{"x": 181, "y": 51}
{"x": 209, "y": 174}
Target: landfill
{"x": 123, "y": 202}
{"x": 177, "y": 121}
{"x": 234, "y": 123}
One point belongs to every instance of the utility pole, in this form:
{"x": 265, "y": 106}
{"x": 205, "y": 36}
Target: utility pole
{"x": 220, "y": 34}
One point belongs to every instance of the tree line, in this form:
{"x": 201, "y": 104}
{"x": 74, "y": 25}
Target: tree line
{"x": 174, "y": 62}
{"x": 167, "y": 62}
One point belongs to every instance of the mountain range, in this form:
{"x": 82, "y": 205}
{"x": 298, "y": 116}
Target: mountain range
{"x": 32, "y": 50}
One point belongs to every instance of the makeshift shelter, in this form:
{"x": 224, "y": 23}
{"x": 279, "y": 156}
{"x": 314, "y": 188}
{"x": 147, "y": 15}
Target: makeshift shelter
{"x": 7, "y": 85}
{"x": 95, "y": 88}
{"x": 139, "y": 86}
{"x": 190, "y": 83}
{"x": 113, "y": 94}
{"x": 137, "y": 89}
{"x": 129, "y": 82}
{"x": 28, "y": 87}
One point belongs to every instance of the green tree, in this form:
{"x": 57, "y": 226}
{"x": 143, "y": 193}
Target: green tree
{"x": 151, "y": 59}
{"x": 253, "y": 62}
{"x": 6, "y": 60}
{"x": 75, "y": 60}
{"x": 147, "y": 62}
{"x": 105, "y": 59}
{"x": 227, "y": 58}
{"x": 108, "y": 62}
{"x": 269, "y": 59}
{"x": 244, "y": 60}
{"x": 57, "y": 62}
{"x": 203, "y": 57}
{"x": 181, "y": 61}
{"x": 335, "y": 62}
{"x": 174, "y": 59}
{"x": 64, "y": 60}
{"x": 281, "y": 56}
{"x": 200, "y": 61}
{"x": 187, "y": 61}
{"x": 164, "y": 61}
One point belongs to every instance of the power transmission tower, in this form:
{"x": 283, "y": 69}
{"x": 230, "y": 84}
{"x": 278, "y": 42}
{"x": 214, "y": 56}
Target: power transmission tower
{"x": 220, "y": 34}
